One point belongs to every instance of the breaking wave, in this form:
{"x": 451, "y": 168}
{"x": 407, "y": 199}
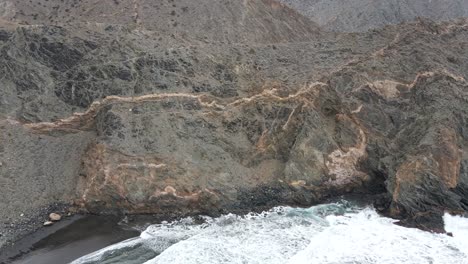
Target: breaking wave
{"x": 335, "y": 233}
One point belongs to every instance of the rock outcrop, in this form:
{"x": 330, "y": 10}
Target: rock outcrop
{"x": 120, "y": 114}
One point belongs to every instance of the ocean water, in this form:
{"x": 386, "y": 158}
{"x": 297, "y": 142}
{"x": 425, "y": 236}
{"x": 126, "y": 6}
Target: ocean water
{"x": 338, "y": 233}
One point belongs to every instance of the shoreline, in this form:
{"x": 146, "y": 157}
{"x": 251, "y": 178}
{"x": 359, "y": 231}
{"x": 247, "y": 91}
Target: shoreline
{"x": 67, "y": 240}
{"x": 87, "y": 227}
{"x": 79, "y": 235}
{"x": 23, "y": 245}
{"x": 14, "y": 227}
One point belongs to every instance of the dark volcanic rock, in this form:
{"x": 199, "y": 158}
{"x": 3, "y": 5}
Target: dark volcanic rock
{"x": 415, "y": 127}
{"x": 123, "y": 114}
{"x": 192, "y": 153}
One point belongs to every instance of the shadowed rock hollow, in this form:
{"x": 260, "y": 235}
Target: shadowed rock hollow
{"x": 227, "y": 105}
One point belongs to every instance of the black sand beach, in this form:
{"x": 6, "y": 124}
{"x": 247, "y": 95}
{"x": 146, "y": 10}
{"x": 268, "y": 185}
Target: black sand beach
{"x": 67, "y": 240}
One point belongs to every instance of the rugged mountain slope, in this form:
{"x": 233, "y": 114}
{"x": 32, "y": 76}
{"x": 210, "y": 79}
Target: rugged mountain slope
{"x": 203, "y": 20}
{"x": 413, "y": 98}
{"x": 362, "y": 15}
{"x": 117, "y": 113}
{"x": 52, "y": 69}
{"x": 58, "y": 71}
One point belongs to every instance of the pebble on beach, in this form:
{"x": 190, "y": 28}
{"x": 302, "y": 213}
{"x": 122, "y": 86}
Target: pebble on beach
{"x": 55, "y": 217}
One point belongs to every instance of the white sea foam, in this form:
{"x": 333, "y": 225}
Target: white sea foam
{"x": 459, "y": 227}
{"x": 366, "y": 237}
{"x": 332, "y": 233}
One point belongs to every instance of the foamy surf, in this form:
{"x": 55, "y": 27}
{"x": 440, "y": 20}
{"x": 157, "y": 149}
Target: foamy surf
{"x": 332, "y": 233}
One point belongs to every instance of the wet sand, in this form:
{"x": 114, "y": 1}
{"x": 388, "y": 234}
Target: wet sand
{"x": 67, "y": 240}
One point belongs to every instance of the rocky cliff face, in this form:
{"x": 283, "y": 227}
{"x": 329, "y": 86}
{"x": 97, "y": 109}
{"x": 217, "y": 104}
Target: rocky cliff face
{"x": 125, "y": 113}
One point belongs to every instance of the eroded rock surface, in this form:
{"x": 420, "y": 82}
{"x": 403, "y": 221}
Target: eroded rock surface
{"x": 119, "y": 114}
